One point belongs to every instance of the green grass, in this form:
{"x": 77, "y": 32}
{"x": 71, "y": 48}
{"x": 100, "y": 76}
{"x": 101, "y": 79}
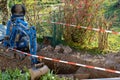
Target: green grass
{"x": 16, "y": 74}
{"x": 114, "y": 42}
{"x": 51, "y": 76}
{"x": 112, "y": 10}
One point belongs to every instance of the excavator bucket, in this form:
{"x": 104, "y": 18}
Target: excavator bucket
{"x": 36, "y": 73}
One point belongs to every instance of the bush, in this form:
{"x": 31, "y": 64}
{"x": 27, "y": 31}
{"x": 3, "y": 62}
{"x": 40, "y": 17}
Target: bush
{"x": 88, "y": 13}
{"x": 14, "y": 75}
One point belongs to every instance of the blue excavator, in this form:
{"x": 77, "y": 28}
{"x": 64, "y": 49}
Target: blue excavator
{"x": 20, "y": 36}
{"x": 23, "y": 37}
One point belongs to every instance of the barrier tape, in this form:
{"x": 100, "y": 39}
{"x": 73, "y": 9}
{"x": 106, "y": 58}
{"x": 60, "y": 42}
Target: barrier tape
{"x": 70, "y": 63}
{"x": 88, "y": 28}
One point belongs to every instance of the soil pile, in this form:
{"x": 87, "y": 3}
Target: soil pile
{"x": 110, "y": 61}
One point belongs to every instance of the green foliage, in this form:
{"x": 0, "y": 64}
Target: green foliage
{"x": 87, "y": 13}
{"x": 85, "y": 19}
{"x": 113, "y": 11}
{"x": 14, "y": 75}
{"x": 91, "y": 48}
{"x": 51, "y": 76}
{"x": 114, "y": 42}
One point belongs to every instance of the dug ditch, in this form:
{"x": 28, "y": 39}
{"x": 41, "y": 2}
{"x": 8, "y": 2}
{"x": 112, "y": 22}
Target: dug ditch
{"x": 65, "y": 53}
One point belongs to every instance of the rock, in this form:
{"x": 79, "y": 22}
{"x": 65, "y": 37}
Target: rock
{"x": 62, "y": 49}
{"x": 87, "y": 57}
{"x": 110, "y": 63}
{"x": 58, "y": 49}
{"x": 48, "y": 48}
{"x": 67, "y": 50}
{"x": 36, "y": 73}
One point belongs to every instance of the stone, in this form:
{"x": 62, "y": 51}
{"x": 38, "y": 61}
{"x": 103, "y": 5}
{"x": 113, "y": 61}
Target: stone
{"x": 36, "y": 73}
{"x": 48, "y": 48}
{"x": 67, "y": 50}
{"x": 58, "y": 49}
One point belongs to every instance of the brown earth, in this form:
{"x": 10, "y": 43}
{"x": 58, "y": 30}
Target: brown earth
{"x": 83, "y": 58}
{"x": 111, "y": 61}
{"x": 7, "y": 62}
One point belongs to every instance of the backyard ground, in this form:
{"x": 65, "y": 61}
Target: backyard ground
{"x": 110, "y": 61}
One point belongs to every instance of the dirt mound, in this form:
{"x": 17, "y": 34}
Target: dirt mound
{"x": 11, "y": 63}
{"x": 88, "y": 60}
{"x": 110, "y": 61}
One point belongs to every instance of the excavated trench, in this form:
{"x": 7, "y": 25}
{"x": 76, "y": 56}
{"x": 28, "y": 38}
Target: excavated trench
{"x": 110, "y": 61}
